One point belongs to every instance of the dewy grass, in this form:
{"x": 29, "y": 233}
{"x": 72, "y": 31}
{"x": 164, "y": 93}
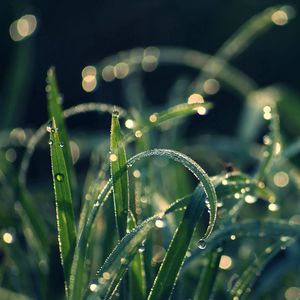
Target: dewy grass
{"x": 139, "y": 236}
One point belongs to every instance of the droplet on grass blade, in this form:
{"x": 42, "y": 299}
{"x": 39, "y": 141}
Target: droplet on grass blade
{"x": 201, "y": 244}
{"x": 59, "y": 177}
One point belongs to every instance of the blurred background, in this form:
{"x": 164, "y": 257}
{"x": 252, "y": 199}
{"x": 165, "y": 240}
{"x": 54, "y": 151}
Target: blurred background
{"x": 71, "y": 35}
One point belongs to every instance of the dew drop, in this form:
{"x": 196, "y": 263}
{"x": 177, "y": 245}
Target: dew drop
{"x": 49, "y": 127}
{"x": 123, "y": 261}
{"x": 141, "y": 248}
{"x": 201, "y": 244}
{"x": 160, "y": 223}
{"x": 115, "y": 113}
{"x": 50, "y": 142}
{"x": 61, "y": 145}
{"x": 59, "y": 177}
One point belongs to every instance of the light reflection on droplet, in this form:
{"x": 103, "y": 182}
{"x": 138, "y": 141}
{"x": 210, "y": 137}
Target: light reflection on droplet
{"x": 292, "y": 293}
{"x": 121, "y": 70}
{"x": 281, "y": 179}
{"x": 23, "y": 27}
{"x": 149, "y": 63}
{"x": 153, "y": 118}
{"x": 233, "y": 237}
{"x": 273, "y": 207}
{"x": 8, "y": 238}
{"x": 89, "y": 83}
{"x": 160, "y": 223}
{"x": 113, "y": 157}
{"x": 138, "y": 134}
{"x": 129, "y": 124}
{"x": 201, "y": 110}
{"x": 280, "y": 17}
{"x": 250, "y": 199}
{"x": 93, "y": 287}
{"x": 195, "y": 98}
{"x": 136, "y": 174}
{"x": 108, "y": 73}
{"x": 211, "y": 86}
{"x": 225, "y": 262}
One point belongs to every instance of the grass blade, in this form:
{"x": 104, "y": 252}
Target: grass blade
{"x": 243, "y": 286}
{"x": 137, "y": 280}
{"x": 63, "y": 200}
{"x": 55, "y": 111}
{"x": 120, "y": 181}
{"x": 168, "y": 273}
{"x": 114, "y": 268}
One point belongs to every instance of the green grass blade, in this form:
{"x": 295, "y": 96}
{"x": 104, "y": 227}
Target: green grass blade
{"x": 248, "y": 228}
{"x": 63, "y": 200}
{"x": 55, "y": 111}
{"x": 78, "y": 265}
{"x": 137, "y": 279}
{"x": 174, "y": 112}
{"x": 243, "y": 285}
{"x": 168, "y": 273}
{"x": 272, "y": 143}
{"x": 10, "y": 295}
{"x": 237, "y": 43}
{"x": 114, "y": 268}
{"x": 208, "y": 276}
{"x": 120, "y": 181}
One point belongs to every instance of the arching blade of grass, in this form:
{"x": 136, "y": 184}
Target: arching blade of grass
{"x": 168, "y": 273}
{"x": 137, "y": 279}
{"x": 78, "y": 264}
{"x": 114, "y": 268}
{"x": 177, "y": 111}
{"x": 55, "y": 111}
{"x": 63, "y": 200}
{"x": 237, "y": 43}
{"x": 243, "y": 285}
{"x": 120, "y": 181}
{"x": 249, "y": 228}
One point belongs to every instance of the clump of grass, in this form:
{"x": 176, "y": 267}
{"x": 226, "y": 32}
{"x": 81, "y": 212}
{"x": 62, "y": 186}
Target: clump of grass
{"x": 130, "y": 241}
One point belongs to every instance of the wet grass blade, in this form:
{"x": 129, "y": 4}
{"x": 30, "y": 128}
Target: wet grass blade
{"x": 114, "y": 268}
{"x": 63, "y": 200}
{"x": 249, "y": 228}
{"x": 137, "y": 279}
{"x": 243, "y": 285}
{"x": 120, "y": 181}
{"x": 55, "y": 111}
{"x": 168, "y": 273}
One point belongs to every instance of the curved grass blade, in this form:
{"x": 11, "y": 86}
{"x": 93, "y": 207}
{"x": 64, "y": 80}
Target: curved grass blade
{"x": 120, "y": 181}
{"x": 237, "y": 43}
{"x": 243, "y": 285}
{"x": 249, "y": 228}
{"x": 55, "y": 111}
{"x": 114, "y": 268}
{"x": 78, "y": 264}
{"x": 63, "y": 200}
{"x": 169, "y": 270}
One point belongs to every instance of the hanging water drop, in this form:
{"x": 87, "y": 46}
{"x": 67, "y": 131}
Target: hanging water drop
{"x": 141, "y": 248}
{"x": 59, "y": 177}
{"x": 50, "y": 142}
{"x": 201, "y": 244}
{"x": 61, "y": 145}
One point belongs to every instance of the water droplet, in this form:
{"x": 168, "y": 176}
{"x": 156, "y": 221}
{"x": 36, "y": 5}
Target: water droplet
{"x": 59, "y": 177}
{"x": 115, "y": 113}
{"x": 123, "y": 261}
{"x": 49, "y": 127}
{"x": 61, "y": 145}
{"x": 160, "y": 223}
{"x": 50, "y": 142}
{"x": 201, "y": 244}
{"x": 141, "y": 248}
